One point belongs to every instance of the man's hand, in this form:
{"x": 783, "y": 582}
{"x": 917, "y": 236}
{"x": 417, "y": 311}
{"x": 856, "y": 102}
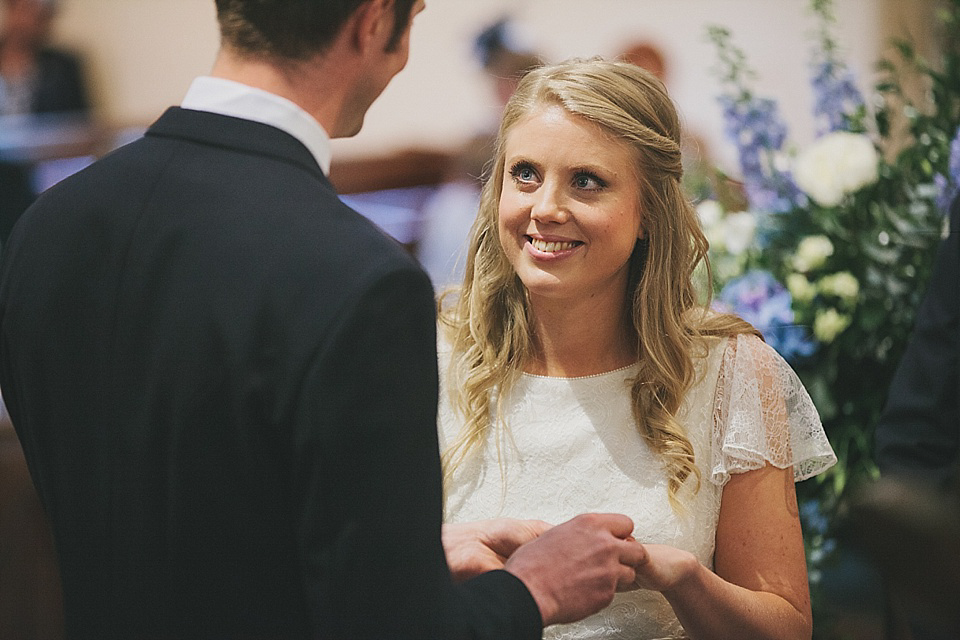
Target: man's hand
{"x": 473, "y": 548}
{"x": 574, "y": 569}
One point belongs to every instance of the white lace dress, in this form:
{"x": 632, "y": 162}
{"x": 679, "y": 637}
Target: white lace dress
{"x": 571, "y": 446}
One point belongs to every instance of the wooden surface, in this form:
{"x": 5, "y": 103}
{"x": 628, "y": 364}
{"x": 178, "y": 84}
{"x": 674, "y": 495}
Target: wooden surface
{"x": 31, "y": 139}
{"x": 31, "y": 606}
{"x": 410, "y": 168}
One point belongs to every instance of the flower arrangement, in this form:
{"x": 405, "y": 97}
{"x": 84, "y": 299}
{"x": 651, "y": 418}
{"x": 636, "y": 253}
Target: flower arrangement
{"x": 830, "y": 255}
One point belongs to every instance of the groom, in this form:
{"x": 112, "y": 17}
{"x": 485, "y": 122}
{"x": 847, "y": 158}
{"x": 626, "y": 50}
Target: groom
{"x": 224, "y": 380}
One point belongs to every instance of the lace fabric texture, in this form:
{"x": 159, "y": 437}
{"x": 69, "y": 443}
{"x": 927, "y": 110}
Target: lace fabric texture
{"x": 569, "y": 445}
{"x": 764, "y": 415}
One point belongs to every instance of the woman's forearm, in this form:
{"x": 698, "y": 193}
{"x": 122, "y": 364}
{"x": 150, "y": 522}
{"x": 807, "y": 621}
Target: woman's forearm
{"x": 710, "y": 607}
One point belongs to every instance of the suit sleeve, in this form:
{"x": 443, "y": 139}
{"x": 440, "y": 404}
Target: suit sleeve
{"x": 919, "y": 429}
{"x": 369, "y": 481}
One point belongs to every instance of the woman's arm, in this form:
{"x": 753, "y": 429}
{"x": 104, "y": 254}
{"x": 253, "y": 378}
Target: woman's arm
{"x": 760, "y": 586}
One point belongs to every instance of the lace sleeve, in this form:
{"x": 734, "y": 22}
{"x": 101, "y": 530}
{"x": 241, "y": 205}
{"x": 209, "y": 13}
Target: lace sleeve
{"x": 762, "y": 414}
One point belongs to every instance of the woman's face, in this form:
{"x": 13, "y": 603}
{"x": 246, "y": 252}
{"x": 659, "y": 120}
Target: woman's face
{"x": 569, "y": 214}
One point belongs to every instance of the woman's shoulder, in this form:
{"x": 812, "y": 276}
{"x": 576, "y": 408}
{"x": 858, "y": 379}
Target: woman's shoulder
{"x": 714, "y": 346}
{"x": 749, "y": 354}
{"x": 718, "y": 329}
{"x": 763, "y": 414}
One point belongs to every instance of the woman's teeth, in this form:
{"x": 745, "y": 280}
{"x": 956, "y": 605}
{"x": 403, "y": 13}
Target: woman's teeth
{"x": 543, "y": 245}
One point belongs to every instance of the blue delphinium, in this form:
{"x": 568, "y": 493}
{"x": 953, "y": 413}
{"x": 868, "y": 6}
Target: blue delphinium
{"x": 756, "y": 128}
{"x": 838, "y": 102}
{"x": 836, "y": 97}
{"x": 948, "y": 186}
{"x": 758, "y": 298}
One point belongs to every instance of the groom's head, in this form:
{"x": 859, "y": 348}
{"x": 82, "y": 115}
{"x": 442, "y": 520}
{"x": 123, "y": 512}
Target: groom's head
{"x": 295, "y": 29}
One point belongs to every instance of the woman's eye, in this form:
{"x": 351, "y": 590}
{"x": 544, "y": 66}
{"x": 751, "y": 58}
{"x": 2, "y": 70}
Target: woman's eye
{"x": 523, "y": 173}
{"x": 588, "y": 182}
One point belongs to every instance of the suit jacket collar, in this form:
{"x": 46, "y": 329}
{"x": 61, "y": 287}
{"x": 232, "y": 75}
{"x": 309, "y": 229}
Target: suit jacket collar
{"x": 237, "y": 134}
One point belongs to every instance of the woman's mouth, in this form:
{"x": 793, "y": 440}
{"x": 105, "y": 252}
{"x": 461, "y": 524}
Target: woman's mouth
{"x": 551, "y": 246}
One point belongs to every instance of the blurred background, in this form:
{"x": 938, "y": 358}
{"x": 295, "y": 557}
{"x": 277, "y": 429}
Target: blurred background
{"x": 415, "y": 168}
{"x": 142, "y": 54}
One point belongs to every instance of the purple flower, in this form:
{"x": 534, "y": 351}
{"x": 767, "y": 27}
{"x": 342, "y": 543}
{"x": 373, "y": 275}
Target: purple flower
{"x": 838, "y": 103}
{"x": 758, "y": 298}
{"x": 948, "y": 186}
{"x": 837, "y": 98}
{"x": 755, "y": 126}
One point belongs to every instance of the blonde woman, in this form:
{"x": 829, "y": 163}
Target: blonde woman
{"x": 582, "y": 371}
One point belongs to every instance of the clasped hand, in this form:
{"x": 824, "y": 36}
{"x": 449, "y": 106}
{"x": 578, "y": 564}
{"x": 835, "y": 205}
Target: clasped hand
{"x": 473, "y": 548}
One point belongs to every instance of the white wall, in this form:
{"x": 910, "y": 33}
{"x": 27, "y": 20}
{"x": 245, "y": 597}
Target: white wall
{"x": 143, "y": 54}
{"x": 443, "y": 89}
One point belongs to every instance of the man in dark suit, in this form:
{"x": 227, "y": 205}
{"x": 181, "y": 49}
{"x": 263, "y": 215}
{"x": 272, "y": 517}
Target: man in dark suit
{"x": 911, "y": 519}
{"x": 225, "y": 383}
{"x": 918, "y": 435}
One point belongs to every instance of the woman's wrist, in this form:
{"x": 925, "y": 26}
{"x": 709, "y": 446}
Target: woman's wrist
{"x": 689, "y": 577}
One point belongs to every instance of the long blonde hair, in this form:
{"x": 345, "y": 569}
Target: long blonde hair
{"x": 489, "y": 324}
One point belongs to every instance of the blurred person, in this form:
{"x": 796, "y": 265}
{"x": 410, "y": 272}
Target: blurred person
{"x": 909, "y": 533}
{"x": 505, "y": 54}
{"x": 34, "y": 76}
{"x": 580, "y": 371}
{"x": 918, "y": 435}
{"x": 225, "y": 380}
{"x": 917, "y": 445}
{"x": 36, "y": 79}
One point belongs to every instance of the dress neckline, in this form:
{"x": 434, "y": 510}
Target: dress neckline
{"x": 537, "y": 376}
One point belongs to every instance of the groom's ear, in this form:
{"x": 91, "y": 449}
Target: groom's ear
{"x": 370, "y": 23}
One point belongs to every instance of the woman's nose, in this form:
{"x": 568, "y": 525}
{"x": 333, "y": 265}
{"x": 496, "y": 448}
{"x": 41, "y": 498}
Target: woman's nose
{"x": 549, "y": 206}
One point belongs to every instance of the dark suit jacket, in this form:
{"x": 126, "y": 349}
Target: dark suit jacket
{"x": 919, "y": 432}
{"x": 225, "y": 384}
{"x": 918, "y": 441}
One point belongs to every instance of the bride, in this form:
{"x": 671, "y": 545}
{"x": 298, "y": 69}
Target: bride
{"x": 582, "y": 372}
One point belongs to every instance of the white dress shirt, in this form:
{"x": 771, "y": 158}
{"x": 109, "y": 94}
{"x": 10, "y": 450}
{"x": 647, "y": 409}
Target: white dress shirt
{"x": 229, "y": 98}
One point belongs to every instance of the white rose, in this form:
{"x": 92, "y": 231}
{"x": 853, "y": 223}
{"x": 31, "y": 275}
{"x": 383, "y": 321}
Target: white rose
{"x": 829, "y": 324}
{"x": 835, "y": 165}
{"x": 726, "y": 267}
{"x": 709, "y": 212}
{"x": 812, "y": 252}
{"x": 738, "y": 231}
{"x": 800, "y": 288}
{"x": 711, "y": 220}
{"x": 841, "y": 284}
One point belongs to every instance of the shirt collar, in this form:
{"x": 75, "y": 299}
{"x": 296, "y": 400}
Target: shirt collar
{"x": 229, "y": 98}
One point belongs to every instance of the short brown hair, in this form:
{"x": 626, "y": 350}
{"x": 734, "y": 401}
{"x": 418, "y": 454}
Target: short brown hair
{"x": 294, "y": 29}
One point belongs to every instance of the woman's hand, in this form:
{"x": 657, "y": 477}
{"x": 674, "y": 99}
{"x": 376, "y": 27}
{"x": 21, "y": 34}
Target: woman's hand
{"x": 665, "y": 568}
{"x": 473, "y": 548}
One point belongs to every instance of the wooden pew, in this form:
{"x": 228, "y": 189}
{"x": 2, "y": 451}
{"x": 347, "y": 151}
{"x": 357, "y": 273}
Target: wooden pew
{"x": 31, "y": 604}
